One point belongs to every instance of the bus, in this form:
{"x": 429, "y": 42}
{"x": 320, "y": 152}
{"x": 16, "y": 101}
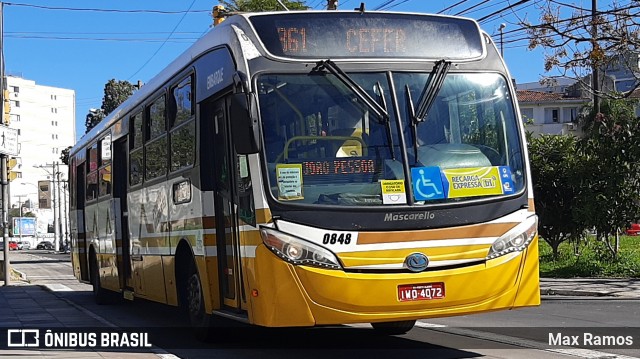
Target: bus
{"x": 297, "y": 169}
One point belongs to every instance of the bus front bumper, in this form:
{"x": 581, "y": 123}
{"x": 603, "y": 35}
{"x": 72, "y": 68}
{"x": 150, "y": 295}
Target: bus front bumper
{"x": 306, "y": 296}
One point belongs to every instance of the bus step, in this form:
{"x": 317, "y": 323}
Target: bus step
{"x": 241, "y": 317}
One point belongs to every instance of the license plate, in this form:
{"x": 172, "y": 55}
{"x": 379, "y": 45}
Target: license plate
{"x": 427, "y": 291}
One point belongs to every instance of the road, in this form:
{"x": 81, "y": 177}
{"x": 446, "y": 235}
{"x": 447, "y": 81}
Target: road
{"x": 522, "y": 333}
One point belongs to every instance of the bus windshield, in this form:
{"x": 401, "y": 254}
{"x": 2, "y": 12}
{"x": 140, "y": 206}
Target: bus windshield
{"x": 324, "y": 146}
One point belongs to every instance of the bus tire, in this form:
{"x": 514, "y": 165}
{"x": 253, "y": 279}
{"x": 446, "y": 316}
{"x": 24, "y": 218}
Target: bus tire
{"x": 394, "y": 328}
{"x": 194, "y": 303}
{"x": 100, "y": 295}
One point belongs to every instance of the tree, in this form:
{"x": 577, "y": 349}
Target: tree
{"x": 609, "y": 175}
{"x": 93, "y": 118}
{"x": 574, "y": 52}
{"x": 115, "y": 93}
{"x": 553, "y": 162}
{"x": 64, "y": 156}
{"x": 263, "y": 5}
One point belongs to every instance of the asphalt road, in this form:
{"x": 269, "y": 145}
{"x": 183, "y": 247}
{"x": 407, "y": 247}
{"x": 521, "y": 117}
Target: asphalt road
{"x": 522, "y": 333}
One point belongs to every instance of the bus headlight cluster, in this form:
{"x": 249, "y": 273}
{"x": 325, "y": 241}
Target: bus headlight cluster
{"x": 516, "y": 239}
{"x": 298, "y": 251}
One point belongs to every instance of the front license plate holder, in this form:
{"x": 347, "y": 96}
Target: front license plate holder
{"x": 424, "y": 291}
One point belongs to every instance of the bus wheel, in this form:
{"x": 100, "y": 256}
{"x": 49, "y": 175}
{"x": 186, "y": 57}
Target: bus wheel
{"x": 394, "y": 328}
{"x": 100, "y": 295}
{"x": 194, "y": 296}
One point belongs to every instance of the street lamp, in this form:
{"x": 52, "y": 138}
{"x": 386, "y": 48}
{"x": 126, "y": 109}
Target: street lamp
{"x": 501, "y": 28}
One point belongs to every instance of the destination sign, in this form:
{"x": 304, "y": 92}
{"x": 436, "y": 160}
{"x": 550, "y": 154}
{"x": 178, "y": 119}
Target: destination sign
{"x": 347, "y": 35}
{"x": 346, "y": 166}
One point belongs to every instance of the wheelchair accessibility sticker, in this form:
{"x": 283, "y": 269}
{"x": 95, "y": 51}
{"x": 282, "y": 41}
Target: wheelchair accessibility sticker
{"x": 427, "y": 183}
{"x": 431, "y": 183}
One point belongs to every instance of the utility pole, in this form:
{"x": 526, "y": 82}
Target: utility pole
{"x": 3, "y": 164}
{"x": 594, "y": 46}
{"x": 56, "y": 173}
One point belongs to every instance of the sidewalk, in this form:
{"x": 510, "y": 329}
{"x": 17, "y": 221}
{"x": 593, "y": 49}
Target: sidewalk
{"x": 591, "y": 287}
{"x": 26, "y": 306}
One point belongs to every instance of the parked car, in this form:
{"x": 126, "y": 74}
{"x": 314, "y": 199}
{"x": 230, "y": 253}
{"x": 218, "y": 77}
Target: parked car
{"x": 13, "y": 245}
{"x": 24, "y": 245}
{"x": 45, "y": 245}
{"x": 633, "y": 230}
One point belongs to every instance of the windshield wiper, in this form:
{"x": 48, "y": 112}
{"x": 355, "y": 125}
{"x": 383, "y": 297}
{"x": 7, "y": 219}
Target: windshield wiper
{"x": 431, "y": 89}
{"x": 383, "y": 103}
{"x": 414, "y": 122}
{"x": 380, "y": 110}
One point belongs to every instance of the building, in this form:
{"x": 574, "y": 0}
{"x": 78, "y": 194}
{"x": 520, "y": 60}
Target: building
{"x": 44, "y": 117}
{"x": 550, "y": 112}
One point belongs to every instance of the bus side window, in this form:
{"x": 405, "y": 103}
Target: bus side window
{"x": 92, "y": 173}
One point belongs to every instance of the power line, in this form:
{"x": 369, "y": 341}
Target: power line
{"x": 452, "y": 6}
{"x": 107, "y": 10}
{"x": 167, "y": 39}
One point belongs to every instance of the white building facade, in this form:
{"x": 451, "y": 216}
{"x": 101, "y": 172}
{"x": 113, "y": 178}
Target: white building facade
{"x": 44, "y": 117}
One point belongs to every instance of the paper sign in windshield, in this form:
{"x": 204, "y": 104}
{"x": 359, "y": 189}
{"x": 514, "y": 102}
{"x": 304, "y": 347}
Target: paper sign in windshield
{"x": 393, "y": 192}
{"x": 478, "y": 181}
{"x": 289, "y": 177}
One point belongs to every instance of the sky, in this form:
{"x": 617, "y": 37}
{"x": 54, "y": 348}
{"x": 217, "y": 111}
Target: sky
{"x": 80, "y": 45}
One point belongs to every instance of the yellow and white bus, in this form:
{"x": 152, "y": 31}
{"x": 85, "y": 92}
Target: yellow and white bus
{"x": 314, "y": 168}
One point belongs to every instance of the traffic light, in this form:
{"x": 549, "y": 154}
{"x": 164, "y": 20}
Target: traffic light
{"x": 11, "y": 175}
{"x": 218, "y": 14}
{"x": 6, "y": 117}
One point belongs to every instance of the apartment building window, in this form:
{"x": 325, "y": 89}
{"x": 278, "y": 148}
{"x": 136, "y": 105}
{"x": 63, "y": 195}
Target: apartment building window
{"x": 15, "y": 89}
{"x": 54, "y": 97}
{"x": 54, "y": 137}
{"x": 15, "y": 118}
{"x": 15, "y": 103}
{"x": 54, "y": 110}
{"x": 551, "y": 115}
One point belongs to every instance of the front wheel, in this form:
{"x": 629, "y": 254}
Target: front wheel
{"x": 394, "y": 328}
{"x": 199, "y": 319}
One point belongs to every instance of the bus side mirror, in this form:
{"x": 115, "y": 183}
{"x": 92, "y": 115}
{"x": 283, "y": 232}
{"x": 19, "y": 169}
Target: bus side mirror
{"x": 244, "y": 123}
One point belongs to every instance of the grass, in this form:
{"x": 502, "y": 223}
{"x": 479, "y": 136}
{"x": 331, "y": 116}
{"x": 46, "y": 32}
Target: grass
{"x": 593, "y": 260}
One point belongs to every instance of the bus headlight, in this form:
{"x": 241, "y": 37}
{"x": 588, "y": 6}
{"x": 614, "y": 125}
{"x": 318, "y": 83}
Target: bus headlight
{"x": 516, "y": 239}
{"x": 298, "y": 251}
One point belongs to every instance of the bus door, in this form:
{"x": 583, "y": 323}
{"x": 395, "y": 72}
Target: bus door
{"x": 120, "y": 179}
{"x": 226, "y": 209}
{"x": 81, "y": 235}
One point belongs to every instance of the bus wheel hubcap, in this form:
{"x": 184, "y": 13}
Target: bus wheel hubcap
{"x": 194, "y": 294}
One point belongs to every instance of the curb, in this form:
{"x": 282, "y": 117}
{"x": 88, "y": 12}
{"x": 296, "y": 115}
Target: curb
{"x": 574, "y": 293}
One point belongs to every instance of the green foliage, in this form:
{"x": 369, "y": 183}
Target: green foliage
{"x": 609, "y": 175}
{"x": 593, "y": 260}
{"x": 93, "y": 118}
{"x": 115, "y": 93}
{"x": 592, "y": 182}
{"x": 64, "y": 156}
{"x": 553, "y": 166}
{"x": 262, "y": 5}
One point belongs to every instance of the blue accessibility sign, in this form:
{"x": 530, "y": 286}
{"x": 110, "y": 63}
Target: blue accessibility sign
{"x": 427, "y": 183}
